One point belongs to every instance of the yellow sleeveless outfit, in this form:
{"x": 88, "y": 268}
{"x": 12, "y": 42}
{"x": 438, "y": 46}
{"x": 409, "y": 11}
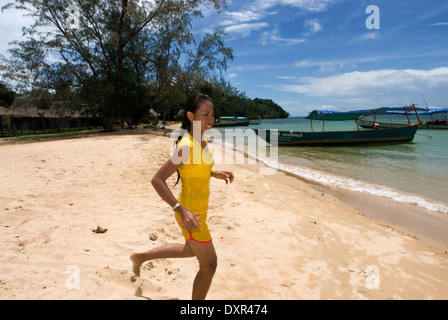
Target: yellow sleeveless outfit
{"x": 195, "y": 176}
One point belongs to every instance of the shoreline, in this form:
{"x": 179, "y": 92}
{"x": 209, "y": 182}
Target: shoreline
{"x": 277, "y": 238}
{"x": 402, "y": 216}
{"x": 412, "y": 218}
{"x": 341, "y": 181}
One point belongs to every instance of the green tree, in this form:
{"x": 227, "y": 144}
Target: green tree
{"x": 6, "y": 96}
{"x": 228, "y": 101}
{"x": 96, "y": 58}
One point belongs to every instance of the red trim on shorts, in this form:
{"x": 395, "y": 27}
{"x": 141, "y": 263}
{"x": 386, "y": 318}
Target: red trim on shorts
{"x": 193, "y": 239}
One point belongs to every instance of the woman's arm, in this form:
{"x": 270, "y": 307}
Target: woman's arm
{"x": 189, "y": 219}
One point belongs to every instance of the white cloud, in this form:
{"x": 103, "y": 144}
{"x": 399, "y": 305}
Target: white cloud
{"x": 313, "y": 25}
{"x": 380, "y": 81}
{"x": 438, "y": 24}
{"x": 308, "y": 5}
{"x": 369, "y": 36}
{"x": 373, "y": 86}
{"x": 289, "y": 103}
{"x": 243, "y": 21}
{"x": 286, "y": 78}
{"x": 241, "y": 17}
{"x": 245, "y": 29}
{"x": 328, "y": 107}
{"x": 11, "y": 23}
{"x": 306, "y": 63}
{"x": 269, "y": 37}
{"x": 324, "y": 66}
{"x": 252, "y": 67}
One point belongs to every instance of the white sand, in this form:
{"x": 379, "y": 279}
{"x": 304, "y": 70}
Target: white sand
{"x": 276, "y": 237}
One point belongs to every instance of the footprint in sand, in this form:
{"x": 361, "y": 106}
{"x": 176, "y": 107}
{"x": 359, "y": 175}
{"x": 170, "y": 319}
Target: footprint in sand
{"x": 153, "y": 236}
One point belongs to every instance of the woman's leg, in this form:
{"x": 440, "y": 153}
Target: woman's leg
{"x": 205, "y": 252}
{"x": 208, "y": 262}
{"x": 165, "y": 252}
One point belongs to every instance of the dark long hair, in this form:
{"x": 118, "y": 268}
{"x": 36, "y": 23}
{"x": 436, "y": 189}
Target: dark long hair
{"x": 192, "y": 105}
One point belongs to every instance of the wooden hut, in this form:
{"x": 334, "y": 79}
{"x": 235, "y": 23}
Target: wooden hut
{"x": 24, "y": 115}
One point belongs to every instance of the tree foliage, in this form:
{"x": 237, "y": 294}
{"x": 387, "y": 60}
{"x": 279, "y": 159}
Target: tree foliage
{"x": 228, "y": 101}
{"x": 122, "y": 56}
{"x": 6, "y": 96}
{"x": 125, "y": 57}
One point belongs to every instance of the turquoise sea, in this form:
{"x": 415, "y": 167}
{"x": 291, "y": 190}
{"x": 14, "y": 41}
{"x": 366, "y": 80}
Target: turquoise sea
{"x": 415, "y": 172}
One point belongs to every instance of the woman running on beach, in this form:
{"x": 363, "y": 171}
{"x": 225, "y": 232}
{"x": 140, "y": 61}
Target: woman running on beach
{"x": 193, "y": 162}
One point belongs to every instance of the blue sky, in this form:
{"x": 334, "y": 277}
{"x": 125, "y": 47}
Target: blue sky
{"x": 319, "y": 54}
{"x": 308, "y": 54}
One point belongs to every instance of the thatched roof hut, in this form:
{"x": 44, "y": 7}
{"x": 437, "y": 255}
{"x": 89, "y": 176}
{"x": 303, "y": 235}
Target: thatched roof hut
{"x": 8, "y": 113}
{"x": 34, "y": 113}
{"x": 24, "y": 107}
{"x": 4, "y": 112}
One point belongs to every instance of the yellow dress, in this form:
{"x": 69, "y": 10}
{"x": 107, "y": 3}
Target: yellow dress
{"x": 195, "y": 176}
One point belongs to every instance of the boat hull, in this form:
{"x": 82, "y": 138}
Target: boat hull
{"x": 367, "y": 124}
{"x": 231, "y": 124}
{"x": 293, "y": 138}
{"x": 436, "y": 124}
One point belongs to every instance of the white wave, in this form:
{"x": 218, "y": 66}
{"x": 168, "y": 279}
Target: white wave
{"x": 364, "y": 187}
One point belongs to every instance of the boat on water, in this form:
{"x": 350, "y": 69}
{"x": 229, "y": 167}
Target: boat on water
{"x": 374, "y": 135}
{"x": 224, "y": 122}
{"x": 436, "y": 124}
{"x": 368, "y": 123}
{"x": 441, "y": 123}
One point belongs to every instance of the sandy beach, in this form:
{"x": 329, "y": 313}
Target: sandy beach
{"x": 276, "y": 237}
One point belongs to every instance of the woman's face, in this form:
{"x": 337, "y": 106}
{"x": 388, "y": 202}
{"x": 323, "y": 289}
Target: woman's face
{"x": 205, "y": 114}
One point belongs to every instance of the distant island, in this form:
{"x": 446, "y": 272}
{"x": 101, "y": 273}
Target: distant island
{"x": 253, "y": 109}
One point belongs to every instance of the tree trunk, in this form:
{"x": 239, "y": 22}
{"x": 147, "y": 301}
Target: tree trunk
{"x": 109, "y": 118}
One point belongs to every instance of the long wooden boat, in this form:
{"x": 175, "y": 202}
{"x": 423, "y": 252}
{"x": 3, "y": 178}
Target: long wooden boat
{"x": 370, "y": 124}
{"x": 441, "y": 123}
{"x": 436, "y": 124}
{"x": 405, "y": 134}
{"x": 377, "y": 135}
{"x": 225, "y": 122}
{"x": 374, "y": 124}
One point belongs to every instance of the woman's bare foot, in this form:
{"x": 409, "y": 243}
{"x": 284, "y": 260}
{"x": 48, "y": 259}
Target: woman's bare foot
{"x": 136, "y": 264}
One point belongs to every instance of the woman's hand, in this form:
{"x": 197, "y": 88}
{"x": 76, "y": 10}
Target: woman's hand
{"x": 227, "y": 176}
{"x": 190, "y": 221}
